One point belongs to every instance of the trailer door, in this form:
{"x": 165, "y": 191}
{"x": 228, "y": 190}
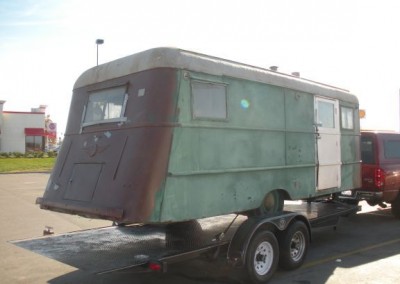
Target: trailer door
{"x": 328, "y": 156}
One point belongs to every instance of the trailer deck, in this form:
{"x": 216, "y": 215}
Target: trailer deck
{"x": 116, "y": 248}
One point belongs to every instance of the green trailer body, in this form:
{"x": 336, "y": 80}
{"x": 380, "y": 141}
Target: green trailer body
{"x": 195, "y": 136}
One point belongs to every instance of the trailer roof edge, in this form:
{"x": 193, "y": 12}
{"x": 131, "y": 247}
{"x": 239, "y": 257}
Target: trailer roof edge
{"x": 165, "y": 57}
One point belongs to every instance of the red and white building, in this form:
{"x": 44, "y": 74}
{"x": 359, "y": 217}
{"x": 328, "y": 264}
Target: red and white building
{"x": 26, "y": 131}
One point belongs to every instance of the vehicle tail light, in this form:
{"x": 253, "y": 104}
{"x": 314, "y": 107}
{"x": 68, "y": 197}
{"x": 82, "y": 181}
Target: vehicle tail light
{"x": 379, "y": 178}
{"x": 155, "y": 266}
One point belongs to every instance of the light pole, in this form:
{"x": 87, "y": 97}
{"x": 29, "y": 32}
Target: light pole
{"x": 98, "y": 42}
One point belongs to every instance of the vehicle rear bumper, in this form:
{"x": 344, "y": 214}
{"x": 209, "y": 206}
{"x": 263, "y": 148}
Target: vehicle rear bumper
{"x": 368, "y": 195}
{"x": 362, "y": 195}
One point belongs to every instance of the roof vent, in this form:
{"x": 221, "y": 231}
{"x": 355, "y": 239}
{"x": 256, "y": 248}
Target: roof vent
{"x": 273, "y": 68}
{"x": 296, "y": 74}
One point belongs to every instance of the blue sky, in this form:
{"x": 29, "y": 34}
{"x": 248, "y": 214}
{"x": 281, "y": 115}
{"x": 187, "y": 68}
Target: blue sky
{"x": 354, "y": 44}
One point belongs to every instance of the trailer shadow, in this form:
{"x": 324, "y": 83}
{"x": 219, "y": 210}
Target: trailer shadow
{"x": 359, "y": 239}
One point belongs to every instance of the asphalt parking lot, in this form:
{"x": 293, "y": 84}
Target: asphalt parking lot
{"x": 363, "y": 249}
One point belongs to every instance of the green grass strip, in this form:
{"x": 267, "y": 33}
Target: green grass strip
{"x": 18, "y": 165}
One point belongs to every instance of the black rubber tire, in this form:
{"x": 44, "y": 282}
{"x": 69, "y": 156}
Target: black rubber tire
{"x": 294, "y": 243}
{"x": 372, "y": 202}
{"x": 187, "y": 235}
{"x": 118, "y": 224}
{"x": 273, "y": 202}
{"x": 396, "y": 207}
{"x": 351, "y": 201}
{"x": 262, "y": 257}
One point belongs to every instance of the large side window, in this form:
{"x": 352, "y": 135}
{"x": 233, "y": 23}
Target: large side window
{"x": 208, "y": 100}
{"x": 347, "y": 117}
{"x": 106, "y": 105}
{"x": 34, "y": 143}
{"x": 392, "y": 149}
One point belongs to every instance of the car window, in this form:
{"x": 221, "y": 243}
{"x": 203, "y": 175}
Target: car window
{"x": 367, "y": 150}
{"x": 392, "y": 149}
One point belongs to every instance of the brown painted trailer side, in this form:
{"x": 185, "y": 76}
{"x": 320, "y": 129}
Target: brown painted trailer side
{"x": 114, "y": 171}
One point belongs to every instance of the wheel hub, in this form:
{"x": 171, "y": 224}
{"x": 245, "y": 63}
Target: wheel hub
{"x": 297, "y": 246}
{"x": 263, "y": 258}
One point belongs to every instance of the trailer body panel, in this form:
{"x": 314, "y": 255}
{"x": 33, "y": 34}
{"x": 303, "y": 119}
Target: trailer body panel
{"x": 169, "y": 135}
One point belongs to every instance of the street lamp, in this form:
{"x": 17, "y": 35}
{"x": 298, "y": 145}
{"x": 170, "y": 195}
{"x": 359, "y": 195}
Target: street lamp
{"x": 98, "y": 42}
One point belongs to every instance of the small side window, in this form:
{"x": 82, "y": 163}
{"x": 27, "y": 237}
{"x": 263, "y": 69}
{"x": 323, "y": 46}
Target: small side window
{"x": 105, "y": 106}
{"x": 347, "y": 117}
{"x": 367, "y": 150}
{"x": 208, "y": 100}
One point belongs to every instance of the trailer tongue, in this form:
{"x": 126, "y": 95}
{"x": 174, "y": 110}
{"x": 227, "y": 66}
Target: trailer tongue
{"x": 116, "y": 248}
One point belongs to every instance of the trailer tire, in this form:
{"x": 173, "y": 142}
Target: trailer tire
{"x": 262, "y": 257}
{"x": 294, "y": 244}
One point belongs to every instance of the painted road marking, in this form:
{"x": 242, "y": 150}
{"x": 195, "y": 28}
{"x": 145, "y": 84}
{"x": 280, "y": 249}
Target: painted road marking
{"x": 342, "y": 255}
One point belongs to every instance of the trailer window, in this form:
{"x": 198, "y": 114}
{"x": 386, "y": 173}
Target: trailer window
{"x": 105, "y": 106}
{"x": 347, "y": 118}
{"x": 208, "y": 100}
{"x": 326, "y": 114}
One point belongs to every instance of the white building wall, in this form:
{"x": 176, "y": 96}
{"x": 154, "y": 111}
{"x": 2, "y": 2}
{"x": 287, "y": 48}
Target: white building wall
{"x": 1, "y": 112}
{"x": 1, "y": 119}
{"x": 13, "y": 129}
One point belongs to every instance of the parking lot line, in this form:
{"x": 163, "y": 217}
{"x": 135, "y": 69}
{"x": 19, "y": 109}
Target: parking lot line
{"x": 342, "y": 255}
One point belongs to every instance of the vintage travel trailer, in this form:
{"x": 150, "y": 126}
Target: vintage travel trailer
{"x": 169, "y": 135}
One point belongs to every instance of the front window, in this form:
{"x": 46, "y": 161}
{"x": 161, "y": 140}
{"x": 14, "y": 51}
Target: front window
{"x": 105, "y": 106}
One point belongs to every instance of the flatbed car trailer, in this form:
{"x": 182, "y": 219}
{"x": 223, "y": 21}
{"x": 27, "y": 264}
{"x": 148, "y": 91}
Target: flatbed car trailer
{"x": 257, "y": 243}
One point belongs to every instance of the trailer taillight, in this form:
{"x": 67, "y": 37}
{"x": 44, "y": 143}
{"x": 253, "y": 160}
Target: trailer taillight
{"x": 379, "y": 178}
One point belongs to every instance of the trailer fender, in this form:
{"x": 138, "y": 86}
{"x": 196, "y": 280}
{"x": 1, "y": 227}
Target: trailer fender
{"x": 276, "y": 223}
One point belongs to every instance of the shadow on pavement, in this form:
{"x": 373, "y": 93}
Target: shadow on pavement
{"x": 359, "y": 239}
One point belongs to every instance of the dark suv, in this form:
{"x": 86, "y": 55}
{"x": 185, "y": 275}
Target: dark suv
{"x": 380, "y": 154}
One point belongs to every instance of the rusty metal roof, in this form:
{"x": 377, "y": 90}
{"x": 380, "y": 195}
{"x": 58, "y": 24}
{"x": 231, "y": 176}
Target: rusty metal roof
{"x": 165, "y": 57}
